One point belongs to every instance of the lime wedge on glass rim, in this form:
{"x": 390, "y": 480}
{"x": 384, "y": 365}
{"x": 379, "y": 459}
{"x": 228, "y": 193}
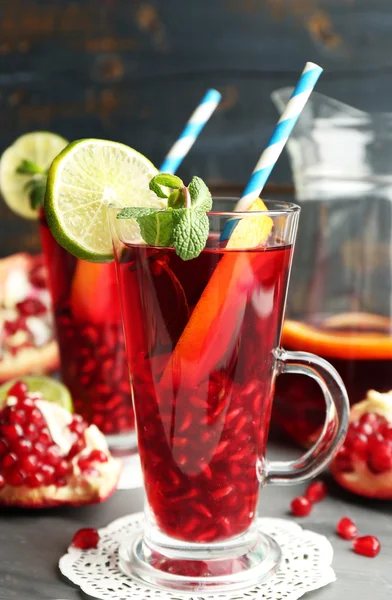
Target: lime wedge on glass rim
{"x": 50, "y": 389}
{"x": 39, "y": 147}
{"x": 84, "y": 179}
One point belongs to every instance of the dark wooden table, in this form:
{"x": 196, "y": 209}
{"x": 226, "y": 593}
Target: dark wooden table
{"x": 31, "y": 543}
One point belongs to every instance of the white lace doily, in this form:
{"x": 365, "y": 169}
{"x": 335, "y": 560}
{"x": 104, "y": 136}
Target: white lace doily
{"x": 306, "y": 566}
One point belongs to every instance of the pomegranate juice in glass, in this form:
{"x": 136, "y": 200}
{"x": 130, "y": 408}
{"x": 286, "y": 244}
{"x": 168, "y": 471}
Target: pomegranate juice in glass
{"x": 202, "y": 340}
{"x": 91, "y": 340}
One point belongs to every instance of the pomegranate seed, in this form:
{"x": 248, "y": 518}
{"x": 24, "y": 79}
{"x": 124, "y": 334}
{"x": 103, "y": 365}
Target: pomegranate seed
{"x": 48, "y": 473}
{"x": 35, "y": 480}
{"x": 85, "y": 539}
{"x": 39, "y": 450}
{"x": 3, "y": 447}
{"x": 12, "y": 432}
{"x": 15, "y": 478}
{"x": 98, "y": 455}
{"x": 380, "y": 457}
{"x": 31, "y": 432}
{"x": 62, "y": 468}
{"x": 367, "y": 545}
{"x": 19, "y": 390}
{"x": 18, "y": 417}
{"x": 44, "y": 437}
{"x": 36, "y": 417}
{"x": 84, "y": 463}
{"x": 31, "y": 307}
{"x": 28, "y": 464}
{"x": 316, "y": 491}
{"x": 301, "y": 506}
{"x": 2, "y": 481}
{"x": 347, "y": 529}
{"x": 53, "y": 455}
{"x": 9, "y": 460}
{"x": 22, "y": 447}
{"x": 387, "y": 433}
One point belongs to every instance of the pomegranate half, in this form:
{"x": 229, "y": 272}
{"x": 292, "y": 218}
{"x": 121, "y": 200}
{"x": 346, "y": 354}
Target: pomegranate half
{"x": 364, "y": 463}
{"x": 50, "y": 457}
{"x": 27, "y": 342}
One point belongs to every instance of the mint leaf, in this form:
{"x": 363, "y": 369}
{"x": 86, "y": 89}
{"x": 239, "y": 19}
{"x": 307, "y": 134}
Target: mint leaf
{"x": 157, "y": 228}
{"x": 166, "y": 180}
{"x": 28, "y": 167}
{"x": 177, "y": 199}
{"x": 133, "y": 212}
{"x": 200, "y": 194}
{"x": 37, "y": 194}
{"x": 190, "y": 232}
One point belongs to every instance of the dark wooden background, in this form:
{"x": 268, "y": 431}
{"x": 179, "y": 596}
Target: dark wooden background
{"x": 133, "y": 71}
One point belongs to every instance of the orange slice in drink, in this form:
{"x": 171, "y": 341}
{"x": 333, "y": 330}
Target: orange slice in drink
{"x": 250, "y": 232}
{"x": 94, "y": 293}
{"x": 210, "y": 334}
{"x": 339, "y": 344}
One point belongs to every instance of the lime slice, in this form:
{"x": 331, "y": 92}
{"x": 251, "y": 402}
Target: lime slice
{"x": 83, "y": 180}
{"x": 40, "y": 147}
{"x": 51, "y": 390}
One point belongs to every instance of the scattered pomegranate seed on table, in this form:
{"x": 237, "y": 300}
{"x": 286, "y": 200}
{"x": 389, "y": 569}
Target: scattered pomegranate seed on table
{"x": 301, "y": 506}
{"x": 347, "y": 529}
{"x": 316, "y": 491}
{"x": 367, "y": 545}
{"x": 86, "y": 539}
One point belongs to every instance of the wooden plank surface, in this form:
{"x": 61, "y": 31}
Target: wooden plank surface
{"x": 133, "y": 71}
{"x": 31, "y": 543}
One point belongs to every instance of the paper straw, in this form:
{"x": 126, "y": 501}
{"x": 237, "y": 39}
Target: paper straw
{"x": 191, "y": 131}
{"x": 278, "y": 140}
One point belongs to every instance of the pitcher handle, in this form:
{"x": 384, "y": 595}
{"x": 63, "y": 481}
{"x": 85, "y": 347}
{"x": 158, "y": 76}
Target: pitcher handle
{"x": 336, "y": 422}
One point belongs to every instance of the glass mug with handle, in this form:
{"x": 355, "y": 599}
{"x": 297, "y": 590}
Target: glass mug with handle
{"x": 202, "y": 341}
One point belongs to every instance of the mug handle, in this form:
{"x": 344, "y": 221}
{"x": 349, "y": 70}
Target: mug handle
{"x": 336, "y": 421}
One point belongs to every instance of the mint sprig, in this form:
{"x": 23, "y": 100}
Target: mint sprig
{"x": 184, "y": 224}
{"x": 36, "y": 184}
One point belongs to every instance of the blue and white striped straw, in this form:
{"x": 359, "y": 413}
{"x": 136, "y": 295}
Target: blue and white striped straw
{"x": 281, "y": 133}
{"x": 191, "y": 131}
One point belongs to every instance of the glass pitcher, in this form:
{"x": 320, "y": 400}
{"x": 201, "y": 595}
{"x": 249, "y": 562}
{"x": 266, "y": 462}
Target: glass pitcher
{"x": 340, "y": 305}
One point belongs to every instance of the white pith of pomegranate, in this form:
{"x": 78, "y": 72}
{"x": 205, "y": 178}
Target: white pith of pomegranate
{"x": 49, "y": 457}
{"x": 27, "y": 344}
{"x": 364, "y": 463}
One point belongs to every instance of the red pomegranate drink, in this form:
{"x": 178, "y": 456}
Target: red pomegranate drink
{"x": 204, "y": 426}
{"x": 91, "y": 339}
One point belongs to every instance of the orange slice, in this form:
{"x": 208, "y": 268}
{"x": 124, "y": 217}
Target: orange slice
{"x": 94, "y": 293}
{"x": 250, "y": 232}
{"x": 344, "y": 345}
{"x": 210, "y": 334}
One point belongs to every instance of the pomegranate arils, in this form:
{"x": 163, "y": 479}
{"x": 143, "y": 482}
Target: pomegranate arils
{"x": 301, "y": 506}
{"x": 31, "y": 307}
{"x": 86, "y": 539}
{"x": 12, "y": 432}
{"x": 316, "y": 491}
{"x": 347, "y": 529}
{"x": 380, "y": 457}
{"x": 15, "y": 478}
{"x": 367, "y": 545}
{"x": 98, "y": 455}
{"x": 28, "y": 463}
{"x": 2, "y": 481}
{"x": 9, "y": 460}
{"x": 53, "y": 455}
{"x": 18, "y": 390}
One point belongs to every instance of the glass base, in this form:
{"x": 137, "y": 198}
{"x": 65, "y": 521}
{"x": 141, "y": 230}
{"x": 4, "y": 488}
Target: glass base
{"x": 122, "y": 443}
{"x": 222, "y": 567}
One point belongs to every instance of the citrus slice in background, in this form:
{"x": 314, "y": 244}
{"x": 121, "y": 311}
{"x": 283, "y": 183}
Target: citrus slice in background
{"x": 86, "y": 177}
{"x": 50, "y": 389}
{"x": 40, "y": 147}
{"x": 335, "y": 344}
